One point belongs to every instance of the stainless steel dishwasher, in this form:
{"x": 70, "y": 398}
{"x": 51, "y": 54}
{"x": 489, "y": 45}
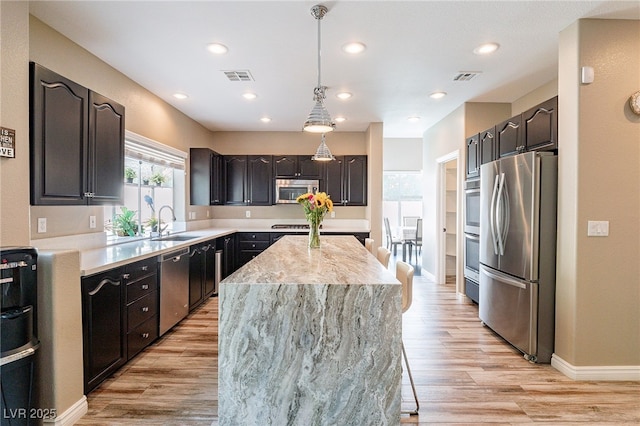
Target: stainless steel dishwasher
{"x": 174, "y": 288}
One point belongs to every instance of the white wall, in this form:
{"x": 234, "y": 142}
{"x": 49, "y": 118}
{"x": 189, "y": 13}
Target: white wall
{"x": 402, "y": 154}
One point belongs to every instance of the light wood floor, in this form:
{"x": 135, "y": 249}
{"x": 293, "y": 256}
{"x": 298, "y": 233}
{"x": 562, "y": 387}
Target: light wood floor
{"x": 464, "y": 374}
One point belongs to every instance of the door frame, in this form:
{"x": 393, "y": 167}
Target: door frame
{"x": 440, "y": 269}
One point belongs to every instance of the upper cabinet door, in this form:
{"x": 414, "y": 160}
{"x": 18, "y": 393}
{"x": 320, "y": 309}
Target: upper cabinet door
{"x": 285, "y": 166}
{"x": 235, "y": 173}
{"x": 332, "y": 182}
{"x": 541, "y": 126}
{"x": 106, "y": 150}
{"x": 308, "y": 168}
{"x": 355, "y": 176}
{"x": 509, "y": 137}
{"x": 259, "y": 180}
{"x": 59, "y": 125}
{"x": 487, "y": 146}
{"x": 473, "y": 156}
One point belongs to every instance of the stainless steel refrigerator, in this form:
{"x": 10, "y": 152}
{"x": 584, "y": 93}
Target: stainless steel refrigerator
{"x": 518, "y": 199}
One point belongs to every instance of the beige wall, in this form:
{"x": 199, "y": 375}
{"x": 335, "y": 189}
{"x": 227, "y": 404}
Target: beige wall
{"x": 535, "y": 97}
{"x": 14, "y": 114}
{"x": 445, "y": 137}
{"x": 375, "y": 144}
{"x": 598, "y": 284}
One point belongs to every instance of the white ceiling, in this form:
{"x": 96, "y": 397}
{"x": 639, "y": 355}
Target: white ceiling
{"x": 413, "y": 49}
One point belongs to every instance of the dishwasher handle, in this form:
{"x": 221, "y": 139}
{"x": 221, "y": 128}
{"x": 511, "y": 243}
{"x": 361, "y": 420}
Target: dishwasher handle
{"x": 174, "y": 255}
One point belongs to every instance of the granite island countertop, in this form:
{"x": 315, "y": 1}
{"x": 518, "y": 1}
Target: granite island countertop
{"x": 310, "y": 336}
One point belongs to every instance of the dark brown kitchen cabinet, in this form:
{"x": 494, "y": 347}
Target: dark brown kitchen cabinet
{"x": 141, "y": 284}
{"x": 201, "y": 273}
{"x": 509, "y": 137}
{"x": 473, "y": 156}
{"x": 251, "y": 244}
{"x": 76, "y": 141}
{"x": 487, "y": 149}
{"x": 206, "y": 182}
{"x": 248, "y": 180}
{"x": 345, "y": 180}
{"x": 103, "y": 319}
{"x": 540, "y": 126}
{"x": 228, "y": 246}
{"x": 296, "y": 167}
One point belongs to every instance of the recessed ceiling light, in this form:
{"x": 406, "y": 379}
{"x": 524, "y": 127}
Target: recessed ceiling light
{"x": 249, "y": 95}
{"x": 265, "y": 119}
{"x": 486, "y": 48}
{"x": 217, "y": 48}
{"x": 438, "y": 95}
{"x": 354, "y": 47}
{"x": 180, "y": 96}
{"x": 413, "y": 119}
{"x": 340, "y": 119}
{"x": 344, "y": 95}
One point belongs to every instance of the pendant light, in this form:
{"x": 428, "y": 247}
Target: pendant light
{"x": 319, "y": 120}
{"x": 323, "y": 153}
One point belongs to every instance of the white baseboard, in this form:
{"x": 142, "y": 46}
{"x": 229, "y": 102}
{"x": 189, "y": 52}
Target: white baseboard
{"x": 596, "y": 372}
{"x": 428, "y": 275}
{"x": 72, "y": 415}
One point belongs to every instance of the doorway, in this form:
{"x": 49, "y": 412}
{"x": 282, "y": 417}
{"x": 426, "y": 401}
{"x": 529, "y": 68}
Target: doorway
{"x": 449, "y": 206}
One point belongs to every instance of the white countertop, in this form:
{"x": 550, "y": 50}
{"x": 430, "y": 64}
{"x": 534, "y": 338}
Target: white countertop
{"x": 97, "y": 257}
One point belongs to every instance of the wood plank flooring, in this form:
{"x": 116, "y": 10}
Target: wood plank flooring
{"x": 464, "y": 374}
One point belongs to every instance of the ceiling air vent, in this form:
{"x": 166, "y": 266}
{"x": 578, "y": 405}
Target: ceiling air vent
{"x": 465, "y": 75}
{"x": 239, "y": 75}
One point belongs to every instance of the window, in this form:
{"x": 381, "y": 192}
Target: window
{"x": 154, "y": 177}
{"x": 401, "y": 196}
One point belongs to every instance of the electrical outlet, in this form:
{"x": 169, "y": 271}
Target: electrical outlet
{"x": 42, "y": 225}
{"x": 598, "y": 228}
{"x": 247, "y": 213}
{"x": 92, "y": 222}
{"x": 333, "y": 214}
{"x": 207, "y": 213}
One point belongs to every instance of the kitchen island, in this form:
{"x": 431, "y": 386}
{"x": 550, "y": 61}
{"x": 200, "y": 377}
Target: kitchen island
{"x": 310, "y": 336}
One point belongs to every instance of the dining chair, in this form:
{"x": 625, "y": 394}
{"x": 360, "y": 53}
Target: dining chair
{"x": 383, "y": 254}
{"x": 392, "y": 241}
{"x": 404, "y": 274}
{"x": 416, "y": 241}
{"x": 368, "y": 244}
{"x": 410, "y": 220}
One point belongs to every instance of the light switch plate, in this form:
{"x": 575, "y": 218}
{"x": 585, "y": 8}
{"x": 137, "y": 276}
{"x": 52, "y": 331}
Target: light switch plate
{"x": 598, "y": 228}
{"x": 42, "y": 225}
{"x": 247, "y": 213}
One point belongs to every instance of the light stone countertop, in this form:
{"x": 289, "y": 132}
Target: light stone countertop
{"x": 310, "y": 336}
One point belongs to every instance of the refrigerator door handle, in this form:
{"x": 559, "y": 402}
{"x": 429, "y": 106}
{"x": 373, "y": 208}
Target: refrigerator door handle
{"x": 503, "y": 278}
{"x": 502, "y": 215}
{"x": 492, "y": 215}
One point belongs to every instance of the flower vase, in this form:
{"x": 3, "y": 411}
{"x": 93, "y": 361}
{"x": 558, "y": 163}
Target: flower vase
{"x": 314, "y": 234}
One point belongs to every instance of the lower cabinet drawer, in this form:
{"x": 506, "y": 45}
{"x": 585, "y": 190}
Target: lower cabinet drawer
{"x": 253, "y": 245}
{"x": 143, "y": 335}
{"x": 141, "y": 287}
{"x": 142, "y": 309}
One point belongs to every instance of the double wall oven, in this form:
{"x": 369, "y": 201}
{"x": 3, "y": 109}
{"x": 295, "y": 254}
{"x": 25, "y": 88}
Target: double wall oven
{"x": 472, "y": 238}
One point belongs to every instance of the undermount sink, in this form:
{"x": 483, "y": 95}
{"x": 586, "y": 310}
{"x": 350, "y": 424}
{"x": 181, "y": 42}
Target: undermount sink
{"x": 177, "y": 237}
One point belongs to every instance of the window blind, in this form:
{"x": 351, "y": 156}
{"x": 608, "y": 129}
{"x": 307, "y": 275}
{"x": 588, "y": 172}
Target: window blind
{"x": 141, "y": 148}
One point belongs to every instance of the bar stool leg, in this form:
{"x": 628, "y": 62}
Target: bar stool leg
{"x": 413, "y": 386}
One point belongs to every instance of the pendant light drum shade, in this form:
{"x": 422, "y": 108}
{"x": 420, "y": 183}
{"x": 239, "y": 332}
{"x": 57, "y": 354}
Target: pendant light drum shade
{"x": 323, "y": 153}
{"x": 319, "y": 120}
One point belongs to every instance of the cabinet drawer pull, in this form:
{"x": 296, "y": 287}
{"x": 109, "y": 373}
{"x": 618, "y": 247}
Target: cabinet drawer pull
{"x": 145, "y": 309}
{"x": 145, "y": 286}
{"x": 145, "y": 335}
{"x": 253, "y": 246}
{"x": 145, "y": 267}
{"x": 126, "y": 276}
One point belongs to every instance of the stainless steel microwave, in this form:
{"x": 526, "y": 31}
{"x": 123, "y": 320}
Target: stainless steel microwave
{"x": 287, "y": 190}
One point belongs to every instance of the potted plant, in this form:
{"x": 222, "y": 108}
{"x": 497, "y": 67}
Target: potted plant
{"x": 124, "y": 224}
{"x": 129, "y": 174}
{"x": 153, "y": 223}
{"x": 145, "y": 180}
{"x": 158, "y": 178}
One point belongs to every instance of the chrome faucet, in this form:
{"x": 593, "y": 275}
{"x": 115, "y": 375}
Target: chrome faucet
{"x": 173, "y": 218}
